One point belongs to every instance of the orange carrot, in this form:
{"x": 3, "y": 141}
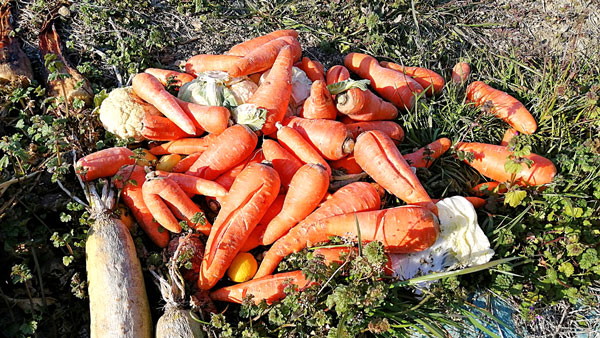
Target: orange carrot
{"x": 461, "y": 72}
{"x": 476, "y": 201}
{"x": 269, "y": 288}
{"x": 283, "y": 161}
{"x": 254, "y": 239}
{"x": 204, "y": 62}
{"x": 103, "y": 163}
{"x": 503, "y": 106}
{"x": 251, "y": 194}
{"x": 156, "y": 190}
{"x": 274, "y": 93}
{"x": 313, "y": 69}
{"x": 149, "y": 89}
{"x": 508, "y": 135}
{"x": 213, "y": 119}
{"x": 185, "y": 164}
{"x": 427, "y": 78}
{"x": 402, "y": 229}
{"x": 160, "y": 128}
{"x": 490, "y": 159}
{"x": 307, "y": 188}
{"x": 193, "y": 185}
{"x": 263, "y": 57}
{"x": 292, "y": 141}
{"x": 246, "y": 47}
{"x": 485, "y": 188}
{"x": 378, "y": 156}
{"x": 424, "y": 157}
{"x": 330, "y": 138}
{"x": 347, "y": 165}
{"x": 231, "y": 147}
{"x": 319, "y": 105}
{"x": 391, "y": 129}
{"x": 185, "y": 146}
{"x": 169, "y": 77}
{"x": 390, "y": 84}
{"x": 131, "y": 178}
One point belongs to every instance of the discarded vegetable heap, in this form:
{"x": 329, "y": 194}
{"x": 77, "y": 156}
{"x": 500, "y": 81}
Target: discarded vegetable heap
{"x": 283, "y": 152}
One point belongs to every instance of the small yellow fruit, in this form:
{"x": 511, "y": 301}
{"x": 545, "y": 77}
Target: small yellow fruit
{"x": 167, "y": 162}
{"x": 243, "y": 268}
{"x": 147, "y": 159}
{"x": 125, "y": 216}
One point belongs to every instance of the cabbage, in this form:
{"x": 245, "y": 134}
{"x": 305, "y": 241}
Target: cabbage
{"x": 215, "y": 88}
{"x": 250, "y": 115}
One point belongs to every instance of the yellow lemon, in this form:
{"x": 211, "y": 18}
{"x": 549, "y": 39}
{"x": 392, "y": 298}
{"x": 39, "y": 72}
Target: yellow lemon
{"x": 167, "y": 162}
{"x": 242, "y": 268}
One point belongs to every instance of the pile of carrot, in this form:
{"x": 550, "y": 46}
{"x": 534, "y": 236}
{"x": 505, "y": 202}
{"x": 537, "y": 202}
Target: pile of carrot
{"x": 305, "y": 175}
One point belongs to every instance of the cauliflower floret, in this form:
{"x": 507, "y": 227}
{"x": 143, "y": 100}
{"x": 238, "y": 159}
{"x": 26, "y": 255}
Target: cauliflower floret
{"x": 122, "y": 112}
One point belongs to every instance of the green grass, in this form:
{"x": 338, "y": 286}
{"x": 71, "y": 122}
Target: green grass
{"x": 554, "y": 233}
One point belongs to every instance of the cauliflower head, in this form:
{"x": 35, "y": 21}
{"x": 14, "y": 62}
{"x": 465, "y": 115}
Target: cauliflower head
{"x": 122, "y": 112}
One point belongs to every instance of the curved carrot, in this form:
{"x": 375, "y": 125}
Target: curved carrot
{"x": 246, "y": 47}
{"x": 390, "y": 84}
{"x": 330, "y": 138}
{"x": 255, "y": 238}
{"x": 149, "y": 89}
{"x": 307, "y": 188}
{"x": 424, "y": 157}
{"x": 169, "y": 77}
{"x": 485, "y": 188}
{"x": 461, "y": 72}
{"x": 283, "y": 161}
{"x": 490, "y": 159}
{"x": 185, "y": 146}
{"x": 131, "y": 178}
{"x": 156, "y": 190}
{"x": 313, "y": 69}
{"x": 503, "y": 106}
{"x": 347, "y": 165}
{"x": 391, "y": 129}
{"x": 263, "y": 58}
{"x": 319, "y": 105}
{"x": 230, "y": 148}
{"x": 292, "y": 141}
{"x": 160, "y": 128}
{"x": 103, "y": 163}
{"x": 213, "y": 119}
{"x": 269, "y": 288}
{"x": 425, "y": 77}
{"x": 402, "y": 229}
{"x": 508, "y": 135}
{"x": 377, "y": 154}
{"x": 253, "y": 191}
{"x": 193, "y": 185}
{"x": 274, "y": 93}
{"x": 204, "y": 62}
{"x": 185, "y": 164}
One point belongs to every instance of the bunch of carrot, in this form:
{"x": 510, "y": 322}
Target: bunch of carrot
{"x": 300, "y": 183}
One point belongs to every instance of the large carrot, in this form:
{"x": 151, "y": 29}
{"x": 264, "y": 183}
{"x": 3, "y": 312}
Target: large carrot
{"x": 268, "y": 288}
{"x": 427, "y": 78}
{"x": 297, "y": 145}
{"x": 390, "y": 84}
{"x": 160, "y": 128}
{"x": 246, "y": 47}
{"x": 402, "y": 229}
{"x": 103, "y": 163}
{"x": 184, "y": 146}
{"x": 193, "y": 185}
{"x": 330, "y": 138}
{"x": 131, "y": 178}
{"x": 213, "y": 119}
{"x": 504, "y": 106}
{"x": 230, "y": 148}
{"x": 319, "y": 105}
{"x": 424, "y": 157}
{"x": 149, "y": 89}
{"x": 204, "y": 62}
{"x": 283, "y": 161}
{"x": 255, "y": 238}
{"x": 169, "y": 77}
{"x": 377, "y": 154}
{"x": 251, "y": 194}
{"x": 490, "y": 160}
{"x": 274, "y": 93}
{"x": 163, "y": 188}
{"x": 313, "y": 69}
{"x": 263, "y": 57}
{"x": 307, "y": 188}
{"x": 390, "y": 128}
{"x": 347, "y": 165}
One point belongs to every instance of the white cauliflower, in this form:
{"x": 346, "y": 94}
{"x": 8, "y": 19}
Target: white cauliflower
{"x": 216, "y": 88}
{"x": 122, "y": 112}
